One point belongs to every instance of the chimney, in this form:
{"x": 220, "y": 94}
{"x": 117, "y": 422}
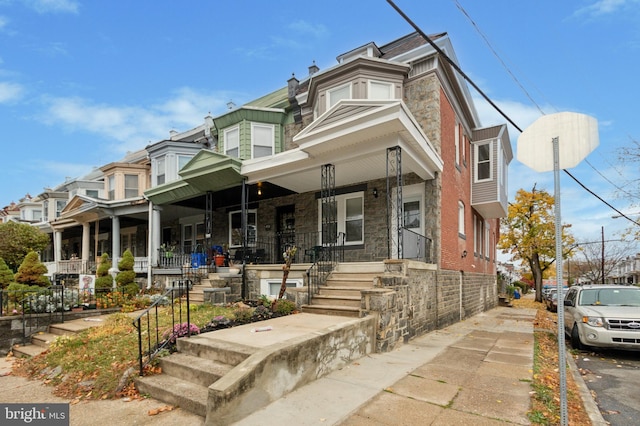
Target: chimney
{"x": 313, "y": 69}
{"x": 293, "y": 86}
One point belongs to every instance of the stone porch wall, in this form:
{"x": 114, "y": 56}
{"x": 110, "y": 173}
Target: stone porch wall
{"x": 414, "y": 298}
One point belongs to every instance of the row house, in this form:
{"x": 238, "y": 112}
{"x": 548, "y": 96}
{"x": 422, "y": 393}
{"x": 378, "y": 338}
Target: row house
{"x": 627, "y": 271}
{"x": 381, "y": 156}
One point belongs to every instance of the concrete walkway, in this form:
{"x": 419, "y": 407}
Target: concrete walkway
{"x": 476, "y": 372}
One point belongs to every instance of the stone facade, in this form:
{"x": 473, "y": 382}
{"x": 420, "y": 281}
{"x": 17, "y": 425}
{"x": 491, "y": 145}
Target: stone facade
{"x": 412, "y": 298}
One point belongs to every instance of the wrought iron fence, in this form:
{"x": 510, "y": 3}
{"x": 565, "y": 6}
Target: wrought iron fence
{"x": 41, "y": 306}
{"x": 325, "y": 259}
{"x": 152, "y": 337}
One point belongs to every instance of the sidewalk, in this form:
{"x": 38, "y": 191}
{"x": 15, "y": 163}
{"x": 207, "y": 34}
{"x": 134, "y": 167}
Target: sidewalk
{"x": 477, "y": 371}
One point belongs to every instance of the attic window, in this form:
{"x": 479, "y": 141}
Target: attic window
{"x": 338, "y": 93}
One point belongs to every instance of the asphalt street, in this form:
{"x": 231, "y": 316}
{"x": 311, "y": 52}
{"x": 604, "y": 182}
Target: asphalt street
{"x": 613, "y": 377}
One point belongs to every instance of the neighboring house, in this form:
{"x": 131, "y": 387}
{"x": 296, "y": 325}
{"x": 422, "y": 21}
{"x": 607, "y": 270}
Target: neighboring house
{"x": 627, "y": 271}
{"x": 10, "y": 213}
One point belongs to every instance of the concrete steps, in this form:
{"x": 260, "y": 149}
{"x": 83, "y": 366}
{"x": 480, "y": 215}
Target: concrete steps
{"x": 188, "y": 373}
{"x": 341, "y": 294}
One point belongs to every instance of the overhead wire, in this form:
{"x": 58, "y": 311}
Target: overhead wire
{"x": 486, "y": 98}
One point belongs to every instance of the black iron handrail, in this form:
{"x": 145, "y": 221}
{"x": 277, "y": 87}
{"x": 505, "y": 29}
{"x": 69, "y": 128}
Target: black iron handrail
{"x": 155, "y": 340}
{"x": 416, "y": 246}
{"x": 325, "y": 259}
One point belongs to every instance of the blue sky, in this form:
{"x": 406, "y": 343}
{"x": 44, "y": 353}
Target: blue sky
{"x": 83, "y": 82}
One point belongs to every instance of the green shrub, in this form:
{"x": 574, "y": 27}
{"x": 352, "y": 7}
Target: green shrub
{"x": 284, "y": 307}
{"x": 243, "y": 315}
{"x": 511, "y": 290}
{"x": 130, "y": 289}
{"x": 104, "y": 280}
{"x": 6, "y": 276}
{"x": 32, "y": 271}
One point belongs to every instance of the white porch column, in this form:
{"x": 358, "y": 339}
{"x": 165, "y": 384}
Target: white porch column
{"x": 86, "y": 238}
{"x": 115, "y": 240}
{"x": 155, "y": 233}
{"x": 57, "y": 246}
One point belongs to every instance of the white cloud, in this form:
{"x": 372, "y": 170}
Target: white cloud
{"x": 3, "y": 22}
{"x": 10, "y": 92}
{"x": 307, "y": 28}
{"x": 604, "y": 7}
{"x": 133, "y": 127}
{"x": 53, "y": 6}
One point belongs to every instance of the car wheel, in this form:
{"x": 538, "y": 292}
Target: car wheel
{"x": 575, "y": 338}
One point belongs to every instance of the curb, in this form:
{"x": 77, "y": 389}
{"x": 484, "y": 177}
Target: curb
{"x": 589, "y": 403}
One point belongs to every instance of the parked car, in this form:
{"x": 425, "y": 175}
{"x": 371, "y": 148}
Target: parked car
{"x": 603, "y": 315}
{"x": 552, "y": 300}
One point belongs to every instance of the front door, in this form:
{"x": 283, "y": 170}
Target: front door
{"x": 413, "y": 242}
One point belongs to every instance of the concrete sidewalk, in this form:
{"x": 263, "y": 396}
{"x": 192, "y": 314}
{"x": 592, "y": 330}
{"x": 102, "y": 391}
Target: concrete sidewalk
{"x": 476, "y": 372}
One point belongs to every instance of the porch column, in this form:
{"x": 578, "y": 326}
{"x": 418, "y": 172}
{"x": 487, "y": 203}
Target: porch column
{"x": 154, "y": 232}
{"x": 86, "y": 234}
{"x": 57, "y": 246}
{"x": 115, "y": 239}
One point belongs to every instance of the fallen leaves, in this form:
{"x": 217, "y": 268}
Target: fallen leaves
{"x": 156, "y": 411}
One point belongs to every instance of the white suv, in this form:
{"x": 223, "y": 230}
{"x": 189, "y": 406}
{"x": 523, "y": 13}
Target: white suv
{"x": 603, "y": 315}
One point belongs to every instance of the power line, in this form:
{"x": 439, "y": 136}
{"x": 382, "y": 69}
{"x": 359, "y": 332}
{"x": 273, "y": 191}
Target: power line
{"x": 503, "y": 114}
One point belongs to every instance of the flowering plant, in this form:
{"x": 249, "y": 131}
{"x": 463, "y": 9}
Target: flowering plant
{"x": 180, "y": 330}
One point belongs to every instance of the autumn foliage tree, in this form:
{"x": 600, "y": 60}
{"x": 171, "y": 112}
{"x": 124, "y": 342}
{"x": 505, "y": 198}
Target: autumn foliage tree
{"x": 528, "y": 233}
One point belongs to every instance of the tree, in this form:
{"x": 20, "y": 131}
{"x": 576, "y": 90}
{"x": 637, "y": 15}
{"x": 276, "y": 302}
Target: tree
{"x": 6, "y": 276}
{"x": 592, "y": 261}
{"x": 126, "y": 278}
{"x": 18, "y": 239}
{"x": 31, "y": 271}
{"x": 528, "y": 233}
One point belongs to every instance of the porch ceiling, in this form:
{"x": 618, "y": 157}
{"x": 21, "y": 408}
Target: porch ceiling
{"x": 354, "y": 136}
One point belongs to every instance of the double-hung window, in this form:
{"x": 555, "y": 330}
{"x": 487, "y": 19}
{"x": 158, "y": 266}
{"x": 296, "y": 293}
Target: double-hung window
{"x": 345, "y": 216}
{"x": 483, "y": 169}
{"x": 183, "y": 160}
{"x": 262, "y": 140}
{"x": 461, "y": 218}
{"x": 45, "y": 210}
{"x": 130, "y": 186}
{"x": 111, "y": 182}
{"x": 161, "y": 171}
{"x": 60, "y": 204}
{"x": 232, "y": 142}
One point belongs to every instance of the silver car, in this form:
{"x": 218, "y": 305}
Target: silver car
{"x": 602, "y": 315}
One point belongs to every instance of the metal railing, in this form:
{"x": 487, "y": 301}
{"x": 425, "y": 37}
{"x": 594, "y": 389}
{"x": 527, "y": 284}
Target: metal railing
{"x": 325, "y": 259}
{"x": 416, "y": 246}
{"x": 152, "y": 337}
{"x": 40, "y": 307}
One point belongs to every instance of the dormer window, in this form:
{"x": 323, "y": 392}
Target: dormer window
{"x": 130, "y": 186}
{"x": 112, "y": 187}
{"x": 232, "y": 142}
{"x": 337, "y": 93}
{"x": 262, "y": 138}
{"x": 380, "y": 90}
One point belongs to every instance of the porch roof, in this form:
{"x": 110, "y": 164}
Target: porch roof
{"x": 206, "y": 171}
{"x": 354, "y": 136}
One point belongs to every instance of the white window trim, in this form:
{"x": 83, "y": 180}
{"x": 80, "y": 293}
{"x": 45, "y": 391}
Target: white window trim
{"x": 490, "y": 161}
{"x": 457, "y": 143}
{"x": 461, "y": 227}
{"x": 335, "y": 89}
{"x": 341, "y": 215}
{"x": 179, "y": 157}
{"x": 487, "y": 238}
{"x": 266, "y": 283}
{"x": 272, "y": 128}
{"x": 390, "y": 86}
{"x": 226, "y": 139}
{"x": 160, "y": 163}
